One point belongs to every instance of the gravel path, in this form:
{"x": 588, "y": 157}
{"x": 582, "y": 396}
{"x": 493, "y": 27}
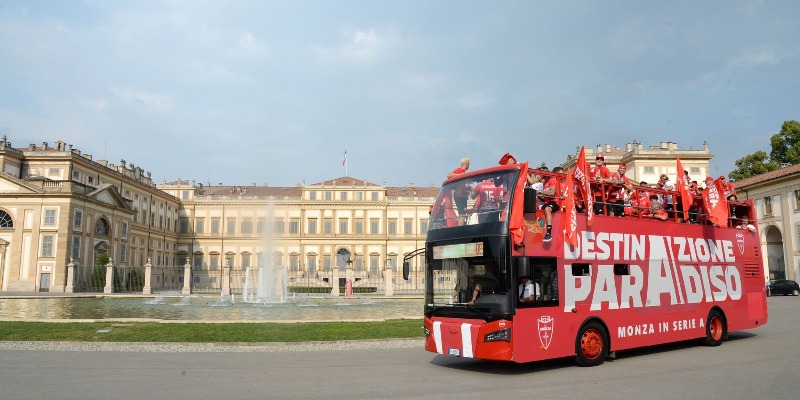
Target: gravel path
{"x": 215, "y": 347}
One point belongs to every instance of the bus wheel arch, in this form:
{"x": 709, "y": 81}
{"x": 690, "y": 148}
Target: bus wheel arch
{"x": 592, "y": 343}
{"x": 716, "y": 327}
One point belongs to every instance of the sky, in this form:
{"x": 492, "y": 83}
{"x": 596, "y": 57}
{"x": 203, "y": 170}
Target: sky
{"x": 274, "y": 92}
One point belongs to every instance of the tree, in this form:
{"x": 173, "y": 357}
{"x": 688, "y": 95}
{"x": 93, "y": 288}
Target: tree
{"x": 752, "y": 165}
{"x": 786, "y": 144}
{"x": 785, "y": 150}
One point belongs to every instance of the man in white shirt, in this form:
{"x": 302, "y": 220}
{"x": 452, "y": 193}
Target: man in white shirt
{"x": 745, "y": 224}
{"x": 527, "y": 290}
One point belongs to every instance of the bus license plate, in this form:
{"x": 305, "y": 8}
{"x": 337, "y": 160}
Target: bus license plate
{"x": 454, "y": 352}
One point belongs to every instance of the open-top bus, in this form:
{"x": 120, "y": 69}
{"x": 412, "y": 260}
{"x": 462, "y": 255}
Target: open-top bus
{"x": 631, "y": 281}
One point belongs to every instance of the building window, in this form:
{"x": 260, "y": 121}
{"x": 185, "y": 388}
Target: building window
{"x": 50, "y": 217}
{"x": 312, "y": 195}
{"x": 326, "y": 263}
{"x": 184, "y": 225}
{"x": 47, "y": 245}
{"x": 77, "y": 220}
{"x": 214, "y": 261}
{"x": 124, "y": 229}
{"x": 360, "y": 196}
{"x": 374, "y": 226}
{"x": 312, "y": 226}
{"x": 359, "y": 227}
{"x": 185, "y": 195}
{"x": 408, "y": 226}
{"x": 695, "y": 170}
{"x": 123, "y": 252}
{"x": 328, "y": 195}
{"x": 294, "y": 226}
{"x": 245, "y": 261}
{"x": 76, "y": 246}
{"x": 768, "y": 206}
{"x": 90, "y": 180}
{"x": 247, "y": 225}
{"x": 797, "y": 200}
{"x": 278, "y": 226}
{"x": 344, "y": 196}
{"x": 54, "y": 171}
{"x": 649, "y": 170}
{"x": 294, "y": 263}
{"x": 101, "y": 228}
{"x": 391, "y": 227}
{"x": 215, "y": 225}
{"x": 198, "y": 225}
{"x": 328, "y": 225}
{"x": 423, "y": 226}
{"x": 374, "y": 196}
{"x": 373, "y": 265}
{"x": 311, "y": 262}
{"x": 343, "y": 222}
{"x": 198, "y": 261}
{"x": 231, "y": 228}
{"x": 359, "y": 265}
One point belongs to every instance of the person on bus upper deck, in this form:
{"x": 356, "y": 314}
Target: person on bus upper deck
{"x": 615, "y": 193}
{"x": 527, "y": 290}
{"x": 666, "y": 184}
{"x": 744, "y": 223}
{"x": 554, "y": 193}
{"x": 730, "y": 189}
{"x": 655, "y": 210}
{"x": 600, "y": 174}
{"x": 461, "y": 194}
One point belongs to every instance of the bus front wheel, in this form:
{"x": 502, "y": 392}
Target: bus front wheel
{"x": 591, "y": 345}
{"x": 716, "y": 328}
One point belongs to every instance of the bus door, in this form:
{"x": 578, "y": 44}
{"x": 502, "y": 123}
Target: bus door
{"x": 537, "y": 293}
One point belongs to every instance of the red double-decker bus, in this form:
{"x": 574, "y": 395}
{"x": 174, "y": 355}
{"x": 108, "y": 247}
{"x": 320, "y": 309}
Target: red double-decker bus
{"x": 630, "y": 281}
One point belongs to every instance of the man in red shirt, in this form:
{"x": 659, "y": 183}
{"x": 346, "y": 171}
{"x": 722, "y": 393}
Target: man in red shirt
{"x": 600, "y": 175}
{"x": 487, "y": 197}
{"x": 554, "y": 193}
{"x": 615, "y": 197}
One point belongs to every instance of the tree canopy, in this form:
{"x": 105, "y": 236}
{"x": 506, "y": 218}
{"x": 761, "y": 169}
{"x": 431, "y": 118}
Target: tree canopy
{"x": 785, "y": 150}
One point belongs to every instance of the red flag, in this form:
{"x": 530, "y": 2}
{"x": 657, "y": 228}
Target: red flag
{"x": 683, "y": 190}
{"x": 516, "y": 224}
{"x": 582, "y": 176}
{"x": 714, "y": 203}
{"x": 571, "y": 222}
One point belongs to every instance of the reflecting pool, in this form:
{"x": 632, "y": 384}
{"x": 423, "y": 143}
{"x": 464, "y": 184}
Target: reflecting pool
{"x": 202, "y": 308}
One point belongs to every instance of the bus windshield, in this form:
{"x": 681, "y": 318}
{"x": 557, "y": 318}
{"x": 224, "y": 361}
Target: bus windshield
{"x": 474, "y": 200}
{"x": 470, "y": 274}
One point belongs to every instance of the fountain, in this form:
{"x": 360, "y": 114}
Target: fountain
{"x": 271, "y": 279}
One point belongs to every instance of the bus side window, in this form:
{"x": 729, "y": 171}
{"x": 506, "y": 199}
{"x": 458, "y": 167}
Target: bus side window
{"x": 545, "y": 272}
{"x": 621, "y": 269}
{"x": 581, "y": 270}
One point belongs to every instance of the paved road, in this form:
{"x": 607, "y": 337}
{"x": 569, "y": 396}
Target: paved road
{"x": 762, "y": 363}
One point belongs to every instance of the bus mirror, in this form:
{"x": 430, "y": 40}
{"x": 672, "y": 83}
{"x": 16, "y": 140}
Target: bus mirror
{"x": 523, "y": 266}
{"x": 529, "y": 200}
{"x": 406, "y": 269}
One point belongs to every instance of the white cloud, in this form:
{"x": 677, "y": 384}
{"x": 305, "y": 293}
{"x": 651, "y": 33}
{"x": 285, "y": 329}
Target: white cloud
{"x": 473, "y": 100}
{"x": 757, "y": 58}
{"x": 360, "y": 46}
{"x": 157, "y": 101}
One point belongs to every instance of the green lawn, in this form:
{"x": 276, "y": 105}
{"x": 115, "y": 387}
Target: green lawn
{"x": 205, "y": 333}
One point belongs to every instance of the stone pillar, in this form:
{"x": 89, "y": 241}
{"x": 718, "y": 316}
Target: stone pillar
{"x": 335, "y": 281}
{"x": 388, "y": 278}
{"x": 226, "y": 279}
{"x": 109, "y": 277}
{"x": 148, "y": 277}
{"x": 70, "y": 284}
{"x": 187, "y": 278}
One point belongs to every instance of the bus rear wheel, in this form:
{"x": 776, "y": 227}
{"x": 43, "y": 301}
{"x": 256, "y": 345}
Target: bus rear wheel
{"x": 591, "y": 345}
{"x": 716, "y": 328}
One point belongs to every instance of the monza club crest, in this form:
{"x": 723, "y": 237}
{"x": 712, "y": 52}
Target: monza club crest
{"x": 740, "y": 242}
{"x": 545, "y": 330}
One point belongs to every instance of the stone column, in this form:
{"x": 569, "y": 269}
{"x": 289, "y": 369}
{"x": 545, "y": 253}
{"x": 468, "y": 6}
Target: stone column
{"x": 388, "y": 279}
{"x": 226, "y": 279}
{"x": 335, "y": 281}
{"x": 187, "y": 278}
{"x": 109, "y": 277}
{"x": 148, "y": 277}
{"x": 70, "y": 284}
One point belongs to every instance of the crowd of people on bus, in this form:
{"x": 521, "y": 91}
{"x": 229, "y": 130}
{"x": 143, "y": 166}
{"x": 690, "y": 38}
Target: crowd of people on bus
{"x": 614, "y": 195}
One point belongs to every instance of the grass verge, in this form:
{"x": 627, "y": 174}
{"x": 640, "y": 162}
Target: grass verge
{"x": 208, "y": 333}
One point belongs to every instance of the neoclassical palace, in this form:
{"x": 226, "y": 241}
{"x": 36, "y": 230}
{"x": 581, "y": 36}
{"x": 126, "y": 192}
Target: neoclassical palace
{"x": 60, "y": 209}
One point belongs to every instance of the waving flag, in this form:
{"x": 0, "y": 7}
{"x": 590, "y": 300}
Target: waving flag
{"x": 582, "y": 176}
{"x": 683, "y": 190}
{"x": 714, "y": 202}
{"x": 344, "y": 160}
{"x": 571, "y": 222}
{"x": 516, "y": 224}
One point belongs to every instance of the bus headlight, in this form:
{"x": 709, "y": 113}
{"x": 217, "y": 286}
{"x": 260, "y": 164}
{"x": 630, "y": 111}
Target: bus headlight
{"x": 497, "y": 336}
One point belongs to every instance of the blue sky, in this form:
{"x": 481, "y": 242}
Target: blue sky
{"x": 244, "y": 92}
